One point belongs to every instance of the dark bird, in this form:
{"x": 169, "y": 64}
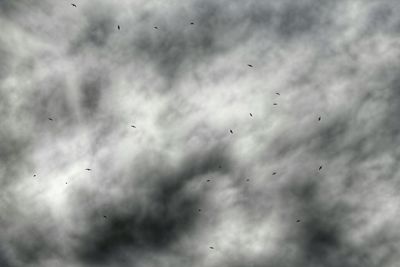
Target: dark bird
{"x": 105, "y": 216}
{"x": 212, "y": 247}
{"x": 275, "y": 104}
{"x": 320, "y": 167}
{"x": 250, "y": 65}
{"x": 156, "y": 27}
{"x": 219, "y": 167}
{"x": 119, "y": 27}
{"x": 208, "y": 181}
{"x": 247, "y": 180}
{"x": 133, "y": 126}
{"x": 251, "y": 115}
{"x": 231, "y": 131}
{"x": 319, "y": 118}
{"x": 73, "y": 5}
{"x": 199, "y": 210}
{"x": 88, "y": 169}
{"x": 191, "y": 23}
{"x": 273, "y": 173}
{"x": 298, "y": 221}
{"x": 66, "y": 183}
{"x": 34, "y": 175}
{"x": 50, "y": 119}
{"x": 278, "y": 93}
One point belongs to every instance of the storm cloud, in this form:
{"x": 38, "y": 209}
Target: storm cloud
{"x": 265, "y": 133}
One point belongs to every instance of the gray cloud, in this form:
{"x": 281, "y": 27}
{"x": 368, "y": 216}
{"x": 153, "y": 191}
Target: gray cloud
{"x": 164, "y": 192}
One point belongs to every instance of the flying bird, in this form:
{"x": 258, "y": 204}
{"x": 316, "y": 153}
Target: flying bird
{"x": 212, "y": 247}
{"x": 208, "y": 181}
{"x": 275, "y": 104}
{"x": 73, "y": 5}
{"x": 278, "y": 93}
{"x": 319, "y": 118}
{"x": 273, "y": 173}
{"x": 50, "y": 119}
{"x": 119, "y": 27}
{"x": 298, "y": 221}
{"x": 133, "y": 126}
{"x": 105, "y": 216}
{"x": 34, "y": 175}
{"x": 156, "y": 27}
{"x": 320, "y": 167}
{"x": 251, "y": 115}
{"x": 250, "y": 65}
{"x": 231, "y": 131}
{"x": 199, "y": 210}
{"x": 88, "y": 169}
{"x": 191, "y": 23}
{"x": 247, "y": 180}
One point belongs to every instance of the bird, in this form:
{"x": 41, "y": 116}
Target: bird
{"x": 88, "y": 169}
{"x": 34, "y": 175}
{"x": 247, "y": 180}
{"x": 105, "y": 216}
{"x": 73, "y": 5}
{"x": 250, "y": 65}
{"x": 119, "y": 27}
{"x": 208, "y": 181}
{"x": 50, "y": 119}
{"x": 275, "y": 104}
{"x": 320, "y": 167}
{"x": 191, "y": 23}
{"x": 199, "y": 210}
{"x": 231, "y": 131}
{"x": 298, "y": 221}
{"x": 133, "y": 126}
{"x": 155, "y": 27}
{"x": 251, "y": 115}
{"x": 278, "y": 93}
{"x": 219, "y": 167}
{"x": 212, "y": 247}
{"x": 319, "y": 118}
{"x": 66, "y": 183}
{"x": 273, "y": 173}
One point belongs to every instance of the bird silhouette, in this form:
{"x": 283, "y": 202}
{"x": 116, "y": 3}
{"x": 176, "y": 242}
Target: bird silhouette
{"x": 231, "y": 131}
{"x": 191, "y": 23}
{"x": 250, "y": 65}
{"x": 119, "y": 27}
{"x": 50, "y": 119}
{"x": 34, "y": 175}
{"x": 273, "y": 173}
{"x": 133, "y": 126}
{"x": 105, "y": 216}
{"x": 298, "y": 221}
{"x": 319, "y": 118}
{"x": 275, "y": 104}
{"x": 278, "y": 93}
{"x": 199, "y": 210}
{"x": 247, "y": 180}
{"x": 208, "y": 181}
{"x": 156, "y": 27}
{"x": 251, "y": 115}
{"x": 211, "y": 247}
{"x": 320, "y": 167}
{"x": 88, "y": 169}
{"x": 73, "y": 5}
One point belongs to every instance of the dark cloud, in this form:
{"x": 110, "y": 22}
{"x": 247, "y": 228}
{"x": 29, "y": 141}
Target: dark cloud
{"x": 184, "y": 86}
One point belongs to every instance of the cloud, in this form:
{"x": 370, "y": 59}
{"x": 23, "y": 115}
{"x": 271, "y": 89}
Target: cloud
{"x": 164, "y": 192}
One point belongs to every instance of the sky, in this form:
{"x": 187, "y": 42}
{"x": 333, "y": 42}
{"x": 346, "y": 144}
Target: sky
{"x": 200, "y": 133}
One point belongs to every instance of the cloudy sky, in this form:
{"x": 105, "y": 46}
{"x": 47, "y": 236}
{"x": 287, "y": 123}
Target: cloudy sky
{"x": 199, "y": 123}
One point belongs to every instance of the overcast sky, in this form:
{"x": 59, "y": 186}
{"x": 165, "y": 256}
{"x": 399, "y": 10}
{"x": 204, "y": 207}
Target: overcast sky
{"x": 199, "y": 123}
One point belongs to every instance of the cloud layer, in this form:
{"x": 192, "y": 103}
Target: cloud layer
{"x": 149, "y": 109}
